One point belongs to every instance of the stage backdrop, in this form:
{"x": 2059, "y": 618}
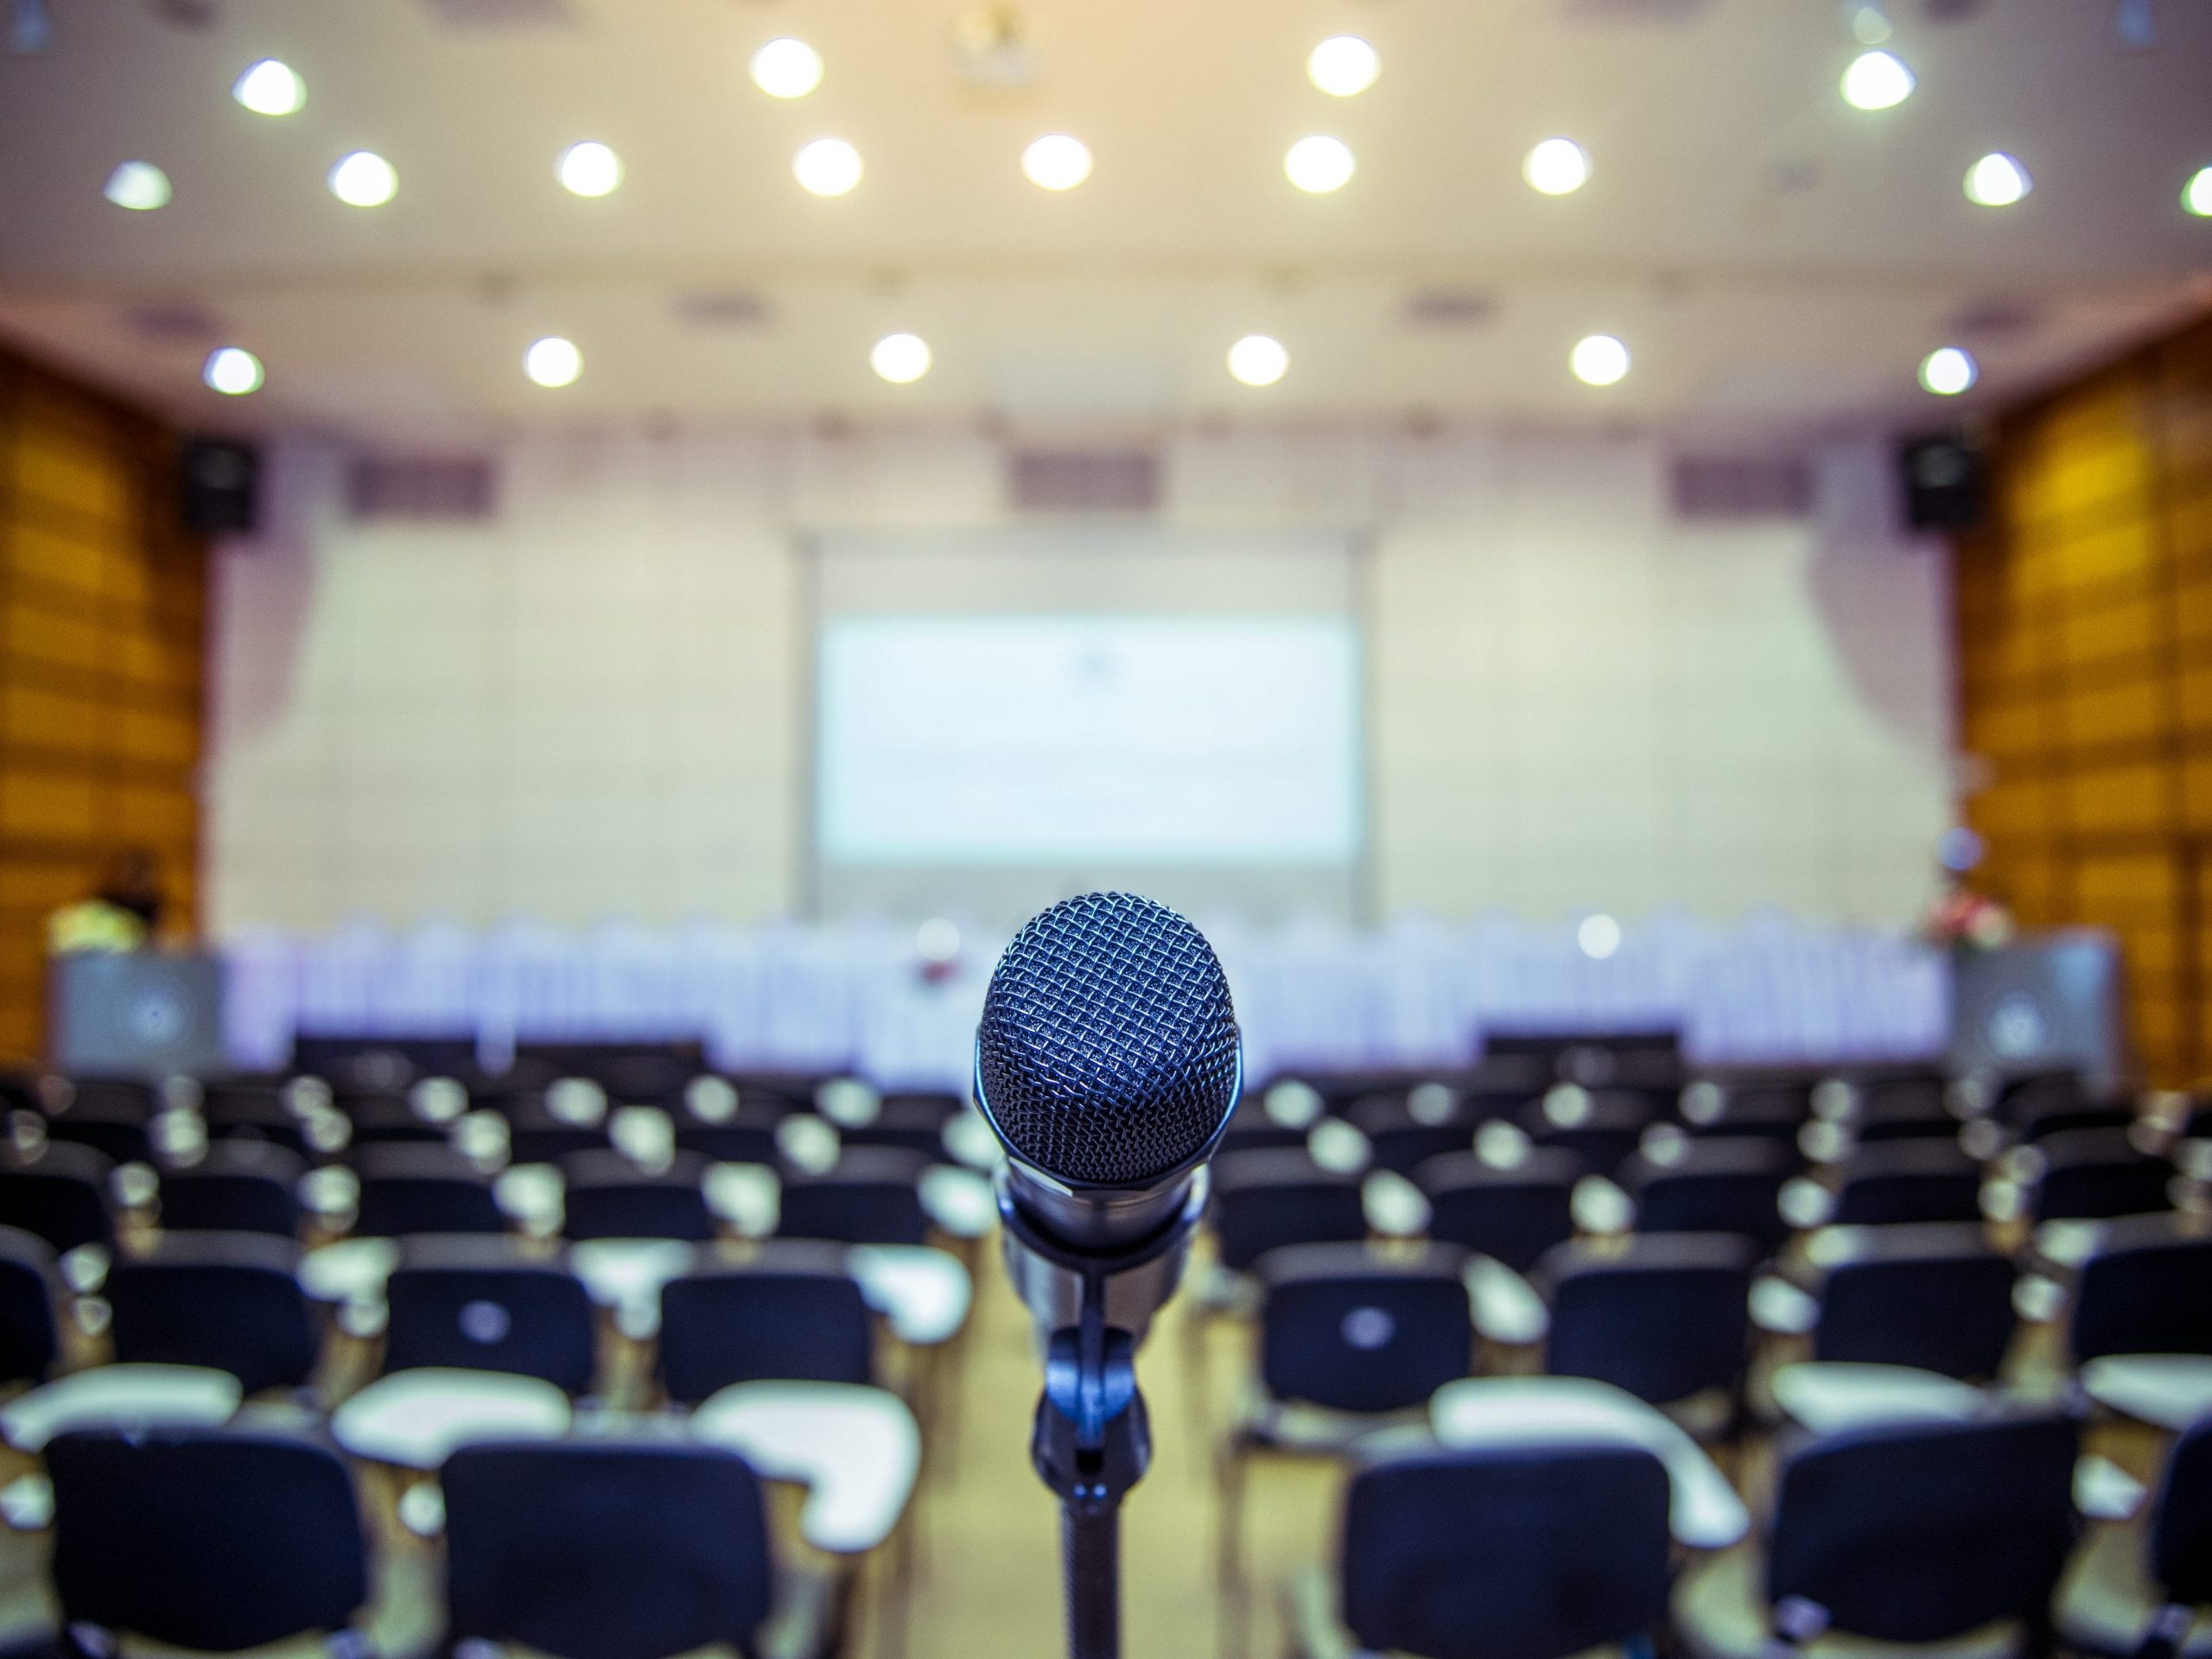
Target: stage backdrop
{"x": 599, "y": 700}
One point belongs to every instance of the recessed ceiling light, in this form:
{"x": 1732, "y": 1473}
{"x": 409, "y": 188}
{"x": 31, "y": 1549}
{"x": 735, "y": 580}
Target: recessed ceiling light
{"x": 1997, "y": 181}
{"x": 1258, "y": 360}
{"x": 553, "y": 362}
{"x": 364, "y": 179}
{"x": 1869, "y": 24}
{"x": 1556, "y": 167}
{"x": 901, "y": 358}
{"x": 1320, "y": 164}
{"x": 589, "y": 169}
{"x": 139, "y": 186}
{"x": 2197, "y": 195}
{"x": 1599, "y": 360}
{"x": 786, "y": 68}
{"x": 233, "y": 370}
{"x": 1057, "y": 161}
{"x": 1948, "y": 370}
{"x": 1343, "y": 66}
{"x": 270, "y": 87}
{"x": 828, "y": 166}
{"x": 1877, "y": 80}
{"x": 1599, "y": 935}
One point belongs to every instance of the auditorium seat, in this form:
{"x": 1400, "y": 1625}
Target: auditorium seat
{"x": 1909, "y": 1180}
{"x": 2143, "y": 1587}
{"x": 216, "y": 1540}
{"x": 914, "y": 1121}
{"x": 542, "y": 1128}
{"x": 727, "y": 1125}
{"x": 1940, "y": 1538}
{"x": 408, "y": 1188}
{"x": 1263, "y": 1200}
{"x": 29, "y": 1288}
{"x": 1516, "y": 1550}
{"x": 1778, "y": 1111}
{"x": 1351, "y": 1339}
{"x": 607, "y": 1196}
{"x": 793, "y": 1312}
{"x": 108, "y": 1115}
{"x": 234, "y": 1186}
{"x": 871, "y": 1195}
{"x": 1717, "y": 1184}
{"x": 1602, "y": 1129}
{"x": 1665, "y": 1317}
{"x": 2146, "y": 1289}
{"x": 58, "y": 1190}
{"x": 611, "y": 1549}
{"x": 229, "y": 1301}
{"x": 472, "y": 1303}
{"x": 1512, "y": 1211}
{"x": 1276, "y": 1117}
{"x": 1911, "y": 1108}
{"x": 1934, "y": 1297}
{"x": 252, "y": 1112}
{"x": 1405, "y": 1130}
{"x": 385, "y": 1117}
{"x": 2091, "y": 1174}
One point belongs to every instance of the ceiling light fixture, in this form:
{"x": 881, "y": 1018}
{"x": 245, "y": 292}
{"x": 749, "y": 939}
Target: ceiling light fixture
{"x": 1997, "y": 181}
{"x": 364, "y": 179}
{"x": 590, "y": 169}
{"x": 1258, "y": 360}
{"x": 270, "y": 87}
{"x": 139, "y": 186}
{"x": 1343, "y": 66}
{"x": 1948, "y": 370}
{"x": 1557, "y": 167}
{"x": 1599, "y": 360}
{"x": 901, "y": 358}
{"x": 1870, "y": 21}
{"x": 828, "y": 166}
{"x": 233, "y": 370}
{"x": 1056, "y": 162}
{"x": 1877, "y": 80}
{"x": 1319, "y": 164}
{"x": 553, "y": 362}
{"x": 786, "y": 68}
{"x": 2197, "y": 195}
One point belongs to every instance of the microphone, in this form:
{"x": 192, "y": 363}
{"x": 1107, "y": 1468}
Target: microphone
{"x": 1107, "y": 1063}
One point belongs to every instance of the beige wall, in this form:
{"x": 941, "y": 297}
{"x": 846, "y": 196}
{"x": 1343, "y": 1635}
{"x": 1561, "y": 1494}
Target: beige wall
{"x": 596, "y": 704}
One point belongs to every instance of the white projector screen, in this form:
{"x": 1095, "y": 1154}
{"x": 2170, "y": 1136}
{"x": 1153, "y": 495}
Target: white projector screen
{"x": 1043, "y": 739}
{"x": 1000, "y": 721}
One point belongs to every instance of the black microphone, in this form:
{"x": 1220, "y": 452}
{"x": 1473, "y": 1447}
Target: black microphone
{"x": 1108, "y": 1062}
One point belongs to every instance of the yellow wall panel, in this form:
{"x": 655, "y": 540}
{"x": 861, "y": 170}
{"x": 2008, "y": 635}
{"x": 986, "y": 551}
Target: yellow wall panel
{"x": 2123, "y": 798}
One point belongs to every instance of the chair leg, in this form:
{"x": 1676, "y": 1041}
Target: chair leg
{"x": 1229, "y": 1563}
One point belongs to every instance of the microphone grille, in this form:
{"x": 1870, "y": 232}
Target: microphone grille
{"x": 1108, "y": 1048}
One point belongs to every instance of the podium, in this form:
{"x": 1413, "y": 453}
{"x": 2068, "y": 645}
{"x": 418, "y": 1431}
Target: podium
{"x": 2046, "y": 1002}
{"x": 136, "y": 1013}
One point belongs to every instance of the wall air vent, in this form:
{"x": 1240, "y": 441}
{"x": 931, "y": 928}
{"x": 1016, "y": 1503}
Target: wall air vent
{"x": 443, "y": 488}
{"x": 1083, "y": 480}
{"x": 1709, "y": 487}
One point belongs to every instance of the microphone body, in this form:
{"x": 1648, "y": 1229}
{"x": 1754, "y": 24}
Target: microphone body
{"x": 1107, "y": 1063}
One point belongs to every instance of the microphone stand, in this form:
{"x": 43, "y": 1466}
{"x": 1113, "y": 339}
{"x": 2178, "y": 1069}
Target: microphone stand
{"x": 1091, "y": 1440}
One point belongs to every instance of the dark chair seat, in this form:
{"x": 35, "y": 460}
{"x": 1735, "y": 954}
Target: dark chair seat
{"x": 608, "y": 1196}
{"x": 410, "y": 1188}
{"x": 228, "y": 1300}
{"x": 793, "y": 1313}
{"x": 2093, "y": 1174}
{"x": 58, "y": 1191}
{"x": 217, "y": 1540}
{"x": 1666, "y": 1317}
{"x": 1404, "y": 1131}
{"x": 30, "y": 1290}
{"x": 1511, "y": 1214}
{"x": 489, "y": 1305}
{"x": 2145, "y": 1289}
{"x": 1896, "y": 1182}
{"x": 1717, "y": 1184}
{"x": 234, "y": 1186}
{"x": 1264, "y": 1200}
{"x": 1354, "y": 1329}
{"x": 1937, "y": 1297}
{"x": 871, "y": 1195}
{"x": 1603, "y": 1129}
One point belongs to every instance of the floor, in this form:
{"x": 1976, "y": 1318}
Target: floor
{"x": 989, "y": 1575}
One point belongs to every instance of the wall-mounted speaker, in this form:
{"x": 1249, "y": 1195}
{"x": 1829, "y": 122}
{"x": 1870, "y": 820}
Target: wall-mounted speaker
{"x": 1943, "y": 479}
{"x": 218, "y": 486}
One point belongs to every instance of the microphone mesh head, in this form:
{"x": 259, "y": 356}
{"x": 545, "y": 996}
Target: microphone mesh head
{"x": 1107, "y": 1050}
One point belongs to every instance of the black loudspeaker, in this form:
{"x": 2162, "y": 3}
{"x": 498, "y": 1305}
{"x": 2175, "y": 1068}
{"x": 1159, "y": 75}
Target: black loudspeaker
{"x": 1943, "y": 479}
{"x": 218, "y": 486}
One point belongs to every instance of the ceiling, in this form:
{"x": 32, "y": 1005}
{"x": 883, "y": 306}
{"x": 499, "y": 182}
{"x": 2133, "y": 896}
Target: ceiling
{"x": 1778, "y": 261}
